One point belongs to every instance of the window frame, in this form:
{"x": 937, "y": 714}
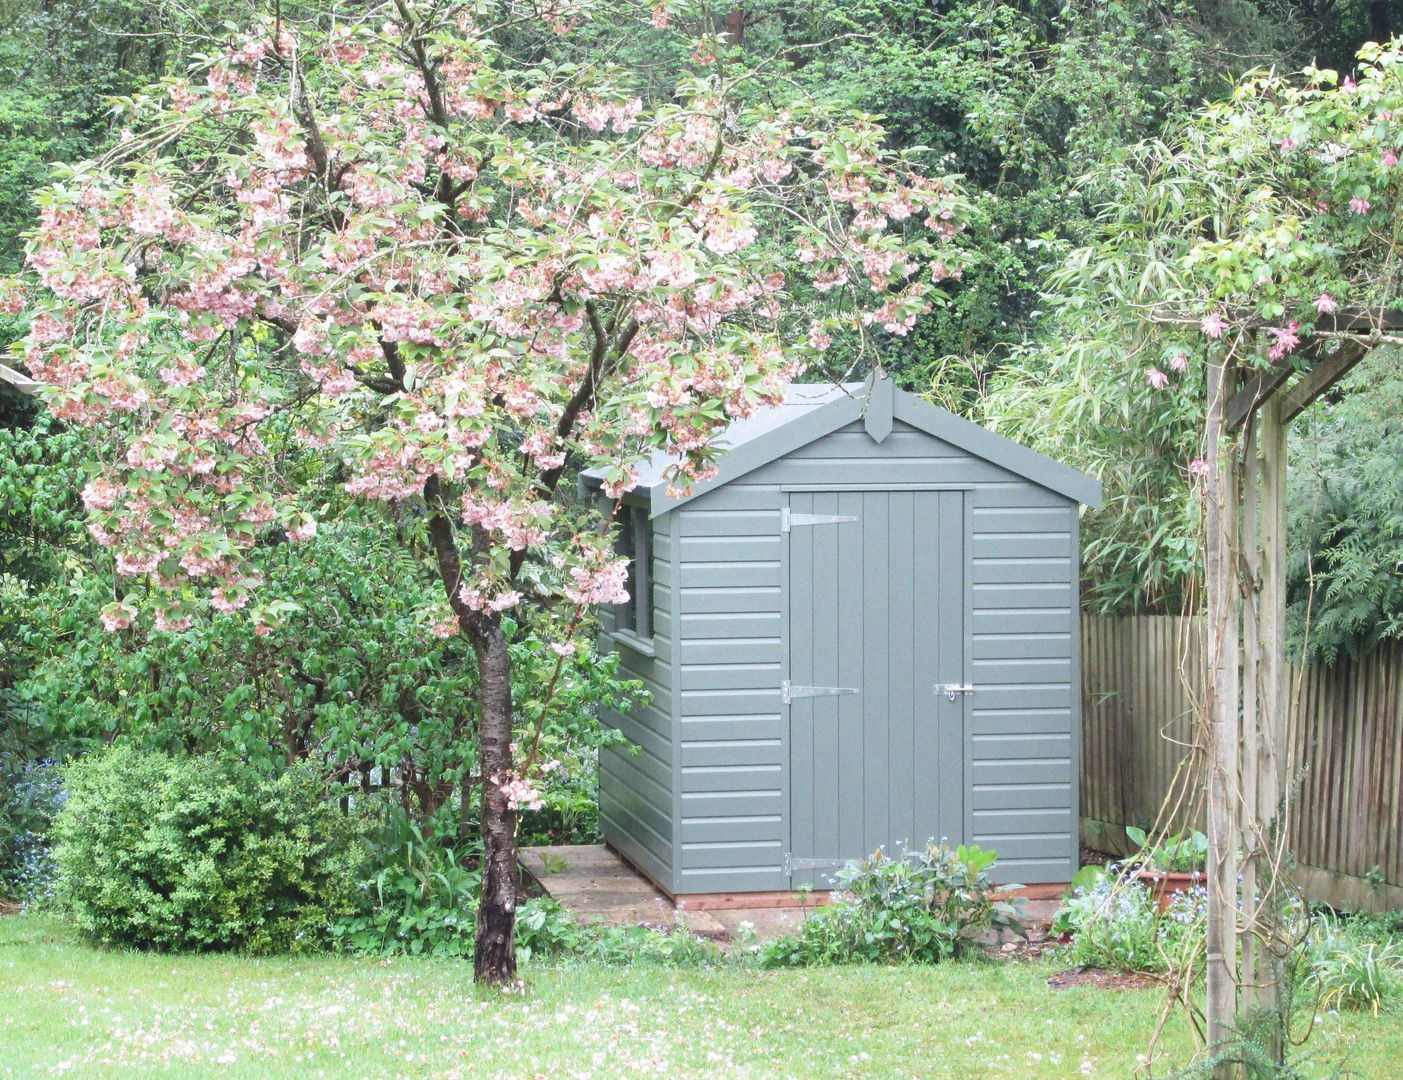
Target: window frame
{"x": 633, "y": 620}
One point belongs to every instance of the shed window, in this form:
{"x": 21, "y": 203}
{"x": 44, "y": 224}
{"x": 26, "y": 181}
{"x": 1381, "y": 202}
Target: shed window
{"x": 635, "y": 543}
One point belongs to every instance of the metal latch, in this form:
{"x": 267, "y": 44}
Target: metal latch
{"x": 954, "y": 690}
{"x": 789, "y": 520}
{"x": 791, "y": 864}
{"x": 788, "y": 691}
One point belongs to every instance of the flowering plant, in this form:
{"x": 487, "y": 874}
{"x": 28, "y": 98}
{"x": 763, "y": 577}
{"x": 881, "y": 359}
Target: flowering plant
{"x": 439, "y": 250}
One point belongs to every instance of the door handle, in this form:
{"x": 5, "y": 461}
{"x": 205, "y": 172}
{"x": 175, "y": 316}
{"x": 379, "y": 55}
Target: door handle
{"x": 953, "y": 690}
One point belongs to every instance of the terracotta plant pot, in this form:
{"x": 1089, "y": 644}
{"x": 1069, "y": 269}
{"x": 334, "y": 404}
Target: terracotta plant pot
{"x": 1166, "y": 885}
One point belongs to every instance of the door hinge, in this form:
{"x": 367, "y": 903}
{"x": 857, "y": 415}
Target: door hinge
{"x": 788, "y": 691}
{"x": 788, "y": 519}
{"x": 953, "y": 690}
{"x": 793, "y": 865}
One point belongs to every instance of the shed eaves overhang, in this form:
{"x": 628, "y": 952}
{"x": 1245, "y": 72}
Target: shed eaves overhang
{"x": 812, "y": 411}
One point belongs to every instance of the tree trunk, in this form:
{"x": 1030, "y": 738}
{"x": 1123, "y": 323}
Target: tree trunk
{"x": 494, "y": 954}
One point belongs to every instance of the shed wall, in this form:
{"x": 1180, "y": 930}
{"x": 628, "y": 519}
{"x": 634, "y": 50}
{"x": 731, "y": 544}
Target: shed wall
{"x": 638, "y": 782}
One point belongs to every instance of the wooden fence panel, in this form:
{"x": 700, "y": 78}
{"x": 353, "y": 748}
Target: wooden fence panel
{"x": 1142, "y": 680}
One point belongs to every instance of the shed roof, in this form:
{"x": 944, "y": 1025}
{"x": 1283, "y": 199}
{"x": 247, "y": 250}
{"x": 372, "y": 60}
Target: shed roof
{"x": 811, "y": 411}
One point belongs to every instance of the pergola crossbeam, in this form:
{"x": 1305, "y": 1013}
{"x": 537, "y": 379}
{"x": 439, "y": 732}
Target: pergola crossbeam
{"x": 21, "y": 382}
{"x": 1319, "y": 378}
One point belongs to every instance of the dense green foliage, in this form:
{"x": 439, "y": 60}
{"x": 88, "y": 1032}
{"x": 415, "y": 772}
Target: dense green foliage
{"x": 1115, "y": 923}
{"x": 918, "y": 907}
{"x": 203, "y": 852}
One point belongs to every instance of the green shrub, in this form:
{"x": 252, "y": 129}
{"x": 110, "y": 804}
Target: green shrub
{"x": 31, "y": 794}
{"x": 920, "y": 907}
{"x": 418, "y": 898}
{"x": 1348, "y": 968}
{"x": 1115, "y": 923}
{"x": 162, "y": 852}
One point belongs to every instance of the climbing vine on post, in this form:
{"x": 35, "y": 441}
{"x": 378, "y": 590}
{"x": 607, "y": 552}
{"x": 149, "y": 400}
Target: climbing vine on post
{"x": 460, "y": 258}
{"x": 1253, "y": 258}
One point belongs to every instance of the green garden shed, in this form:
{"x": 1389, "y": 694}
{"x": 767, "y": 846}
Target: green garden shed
{"x": 862, "y": 632}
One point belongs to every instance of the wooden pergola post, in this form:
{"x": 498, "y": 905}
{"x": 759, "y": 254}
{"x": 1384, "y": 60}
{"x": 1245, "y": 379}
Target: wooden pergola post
{"x": 1248, "y": 701}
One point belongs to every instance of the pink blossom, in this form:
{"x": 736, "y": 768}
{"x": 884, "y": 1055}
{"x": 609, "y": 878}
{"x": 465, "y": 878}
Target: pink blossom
{"x": 1200, "y": 467}
{"x": 1157, "y": 379}
{"x": 1286, "y": 340}
{"x": 1179, "y": 363}
{"x": 1358, "y": 205}
{"x": 1213, "y": 325}
{"x": 1348, "y": 85}
{"x": 520, "y": 792}
{"x": 116, "y": 617}
{"x": 446, "y": 628}
{"x": 1287, "y": 144}
{"x": 1389, "y": 159}
{"x": 563, "y": 649}
{"x": 1325, "y": 304}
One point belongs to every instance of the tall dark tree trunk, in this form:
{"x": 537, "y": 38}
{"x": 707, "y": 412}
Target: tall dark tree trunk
{"x": 494, "y": 954}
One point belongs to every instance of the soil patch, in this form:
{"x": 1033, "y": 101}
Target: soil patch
{"x": 1102, "y": 979}
{"x": 8, "y": 907}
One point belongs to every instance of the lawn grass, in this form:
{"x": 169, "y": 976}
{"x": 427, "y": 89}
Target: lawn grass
{"x": 66, "y": 1009}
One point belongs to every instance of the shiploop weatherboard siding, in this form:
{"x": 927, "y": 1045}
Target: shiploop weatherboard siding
{"x": 862, "y": 632}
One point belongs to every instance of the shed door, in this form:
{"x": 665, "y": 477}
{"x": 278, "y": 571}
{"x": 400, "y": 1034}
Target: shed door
{"x": 877, "y": 606}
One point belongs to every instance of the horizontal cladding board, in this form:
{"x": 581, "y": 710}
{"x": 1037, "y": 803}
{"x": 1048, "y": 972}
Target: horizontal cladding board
{"x": 1019, "y": 545}
{"x": 717, "y": 804}
{"x": 757, "y": 676}
{"x": 1017, "y": 494}
{"x": 662, "y": 625}
{"x": 1001, "y": 596}
{"x": 703, "y": 625}
{"x": 648, "y": 727}
{"x": 1053, "y": 770}
{"x": 662, "y": 576}
{"x": 723, "y": 728}
{"x": 1026, "y": 721}
{"x": 652, "y": 783}
{"x": 864, "y": 470}
{"x": 1052, "y": 570}
{"x": 738, "y": 496}
{"x": 710, "y": 856}
{"x": 1039, "y": 846}
{"x": 1022, "y": 519}
{"x": 757, "y": 574}
{"x": 1024, "y": 645}
{"x": 1016, "y": 747}
{"x": 1009, "y": 796}
{"x": 645, "y": 820}
{"x": 723, "y": 521}
{"x": 990, "y": 695}
{"x": 719, "y": 752}
{"x": 733, "y": 879}
{"x": 1008, "y": 822}
{"x": 733, "y": 651}
{"x": 710, "y": 778}
{"x": 1005, "y": 672}
{"x": 1035, "y": 871}
{"x": 858, "y": 445}
{"x": 720, "y": 830}
{"x": 730, "y": 702}
{"x": 620, "y": 834}
{"x": 1033, "y": 620}
{"x": 731, "y": 548}
{"x": 718, "y": 599}
{"x": 652, "y": 716}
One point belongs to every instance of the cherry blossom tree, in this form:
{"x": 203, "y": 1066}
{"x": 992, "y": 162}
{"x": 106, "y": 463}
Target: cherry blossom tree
{"x": 460, "y": 258}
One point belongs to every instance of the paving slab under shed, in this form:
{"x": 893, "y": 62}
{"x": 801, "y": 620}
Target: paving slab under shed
{"x": 598, "y": 886}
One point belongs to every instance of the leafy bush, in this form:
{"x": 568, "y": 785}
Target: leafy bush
{"x": 30, "y": 799}
{"x": 1182, "y": 853}
{"x": 1116, "y": 924}
{"x": 919, "y": 907}
{"x": 421, "y": 898}
{"x": 201, "y": 853}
